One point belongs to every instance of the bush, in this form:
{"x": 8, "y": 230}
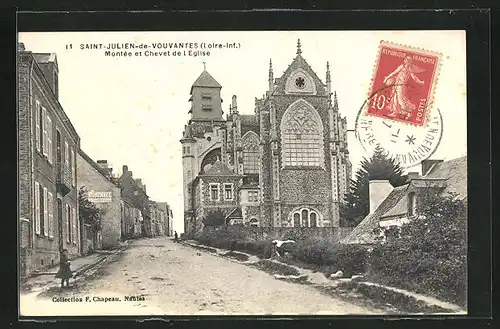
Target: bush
{"x": 350, "y": 259}
{"x": 430, "y": 256}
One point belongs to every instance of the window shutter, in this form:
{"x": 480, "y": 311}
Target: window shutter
{"x": 49, "y": 139}
{"x": 44, "y": 129}
{"x": 73, "y": 216}
{"x": 37, "y": 208}
{"x": 66, "y": 154}
{"x": 66, "y": 223}
{"x": 73, "y": 166}
{"x": 77, "y": 220}
{"x": 45, "y": 213}
{"x": 51, "y": 215}
{"x": 37, "y": 125}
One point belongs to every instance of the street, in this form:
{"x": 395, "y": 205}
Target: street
{"x": 175, "y": 279}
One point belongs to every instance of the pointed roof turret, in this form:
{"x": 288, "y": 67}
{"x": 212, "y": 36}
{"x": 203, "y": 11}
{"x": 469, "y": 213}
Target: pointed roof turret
{"x": 205, "y": 80}
{"x": 328, "y": 76}
{"x": 299, "y": 50}
{"x": 335, "y": 102}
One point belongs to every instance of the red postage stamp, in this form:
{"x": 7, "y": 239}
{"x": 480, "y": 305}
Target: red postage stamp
{"x": 403, "y": 83}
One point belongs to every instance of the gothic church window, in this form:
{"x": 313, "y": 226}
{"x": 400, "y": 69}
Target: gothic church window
{"x": 302, "y": 136}
{"x": 250, "y": 153}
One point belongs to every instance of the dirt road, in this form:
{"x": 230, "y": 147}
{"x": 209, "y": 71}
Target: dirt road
{"x": 177, "y": 280}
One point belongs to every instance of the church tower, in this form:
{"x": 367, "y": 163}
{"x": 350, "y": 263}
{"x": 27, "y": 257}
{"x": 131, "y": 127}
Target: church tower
{"x": 206, "y": 102}
{"x": 202, "y": 138}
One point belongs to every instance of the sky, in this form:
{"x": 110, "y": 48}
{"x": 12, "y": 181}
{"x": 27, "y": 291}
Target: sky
{"x": 131, "y": 110}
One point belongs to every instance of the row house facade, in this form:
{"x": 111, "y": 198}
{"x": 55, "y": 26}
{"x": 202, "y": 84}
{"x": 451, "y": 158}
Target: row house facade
{"x": 158, "y": 219}
{"x": 96, "y": 181}
{"x": 134, "y": 191}
{"x": 47, "y": 145}
{"x": 169, "y": 219}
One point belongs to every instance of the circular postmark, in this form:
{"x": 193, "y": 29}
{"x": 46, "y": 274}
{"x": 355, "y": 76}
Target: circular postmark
{"x": 407, "y": 144}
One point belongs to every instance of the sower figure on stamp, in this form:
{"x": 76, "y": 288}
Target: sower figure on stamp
{"x": 399, "y": 104}
{"x": 64, "y": 272}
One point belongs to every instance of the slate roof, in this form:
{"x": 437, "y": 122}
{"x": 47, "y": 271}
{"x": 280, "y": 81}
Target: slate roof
{"x": 218, "y": 169}
{"x": 451, "y": 174}
{"x": 249, "y": 120}
{"x": 45, "y": 57}
{"x": 236, "y": 213}
{"x": 205, "y": 80}
{"x": 363, "y": 233}
{"x": 455, "y": 172}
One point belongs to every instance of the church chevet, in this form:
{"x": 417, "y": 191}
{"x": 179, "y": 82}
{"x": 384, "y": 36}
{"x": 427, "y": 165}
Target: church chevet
{"x": 286, "y": 165}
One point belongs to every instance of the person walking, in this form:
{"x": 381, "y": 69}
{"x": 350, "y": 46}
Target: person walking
{"x": 64, "y": 272}
{"x": 176, "y": 237}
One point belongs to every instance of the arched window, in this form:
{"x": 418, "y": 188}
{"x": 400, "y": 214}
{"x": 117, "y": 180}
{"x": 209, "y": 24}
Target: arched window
{"x": 302, "y": 136}
{"x": 254, "y": 222}
{"x": 250, "y": 153}
{"x": 305, "y": 217}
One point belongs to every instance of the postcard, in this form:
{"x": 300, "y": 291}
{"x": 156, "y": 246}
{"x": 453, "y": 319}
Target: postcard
{"x": 242, "y": 173}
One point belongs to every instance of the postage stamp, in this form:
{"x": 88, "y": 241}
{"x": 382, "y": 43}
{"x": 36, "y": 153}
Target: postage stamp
{"x": 403, "y": 83}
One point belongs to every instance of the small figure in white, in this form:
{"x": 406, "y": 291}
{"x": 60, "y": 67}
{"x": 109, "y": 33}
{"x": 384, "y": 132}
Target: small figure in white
{"x": 277, "y": 247}
{"x": 399, "y": 104}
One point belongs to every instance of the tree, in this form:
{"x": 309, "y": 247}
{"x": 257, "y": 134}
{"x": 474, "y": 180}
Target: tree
{"x": 357, "y": 200}
{"x": 89, "y": 213}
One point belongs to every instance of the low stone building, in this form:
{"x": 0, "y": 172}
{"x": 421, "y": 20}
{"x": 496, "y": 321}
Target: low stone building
{"x": 215, "y": 191}
{"x": 131, "y": 220}
{"x": 168, "y": 222}
{"x": 392, "y": 207}
{"x": 135, "y": 192}
{"x": 96, "y": 179}
{"x": 157, "y": 219}
{"x": 47, "y": 143}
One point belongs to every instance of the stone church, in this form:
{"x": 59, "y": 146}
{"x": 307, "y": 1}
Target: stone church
{"x": 286, "y": 165}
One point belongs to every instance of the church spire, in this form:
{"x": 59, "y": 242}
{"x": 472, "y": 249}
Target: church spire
{"x": 271, "y": 76}
{"x": 335, "y": 102}
{"x": 299, "y": 50}
{"x": 328, "y": 79}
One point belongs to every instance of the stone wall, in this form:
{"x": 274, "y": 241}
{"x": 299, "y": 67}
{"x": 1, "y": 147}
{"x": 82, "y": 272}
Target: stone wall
{"x": 330, "y": 234}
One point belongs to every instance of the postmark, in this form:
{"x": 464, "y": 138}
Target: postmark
{"x": 403, "y": 84}
{"x": 407, "y": 144}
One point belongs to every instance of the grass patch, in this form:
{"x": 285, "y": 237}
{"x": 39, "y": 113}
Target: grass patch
{"x": 401, "y": 301}
{"x": 276, "y": 268}
{"x": 236, "y": 255}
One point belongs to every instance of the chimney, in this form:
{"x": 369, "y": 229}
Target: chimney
{"x": 20, "y": 47}
{"x": 413, "y": 175}
{"x": 428, "y": 164}
{"x": 125, "y": 170}
{"x": 103, "y": 163}
{"x": 379, "y": 190}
